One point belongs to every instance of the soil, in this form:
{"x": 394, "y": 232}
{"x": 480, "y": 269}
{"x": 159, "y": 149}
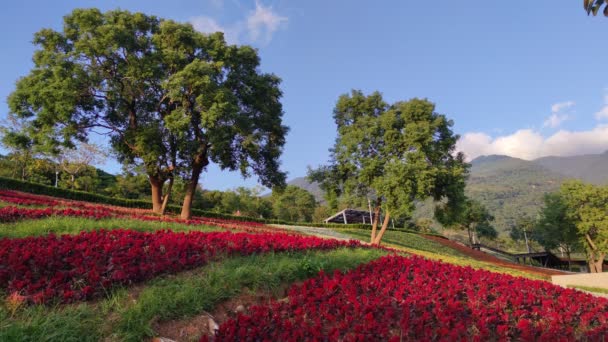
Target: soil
{"x": 193, "y": 328}
{"x": 478, "y": 255}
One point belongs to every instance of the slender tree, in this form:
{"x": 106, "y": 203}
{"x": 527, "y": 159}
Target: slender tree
{"x": 588, "y": 209}
{"x": 554, "y": 228}
{"x": 74, "y": 161}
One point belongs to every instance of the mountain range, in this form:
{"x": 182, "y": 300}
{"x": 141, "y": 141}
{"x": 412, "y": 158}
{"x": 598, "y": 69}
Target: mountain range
{"x": 510, "y": 187}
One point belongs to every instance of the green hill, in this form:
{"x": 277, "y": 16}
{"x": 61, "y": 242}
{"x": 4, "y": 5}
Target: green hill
{"x": 510, "y": 187}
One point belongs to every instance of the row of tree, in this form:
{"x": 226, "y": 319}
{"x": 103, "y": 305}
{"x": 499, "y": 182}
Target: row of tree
{"x": 292, "y": 203}
{"x": 571, "y": 220}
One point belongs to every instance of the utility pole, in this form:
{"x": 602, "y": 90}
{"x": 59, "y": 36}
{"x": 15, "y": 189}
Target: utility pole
{"x": 527, "y": 243}
{"x": 56, "y": 178}
{"x": 369, "y": 205}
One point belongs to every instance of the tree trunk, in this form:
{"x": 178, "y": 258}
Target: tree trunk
{"x": 376, "y": 219}
{"x": 387, "y": 216}
{"x": 156, "y": 184}
{"x": 596, "y": 265}
{"x": 167, "y": 195}
{"x": 596, "y": 257}
{"x": 72, "y": 180}
{"x": 197, "y": 168}
{"x": 470, "y": 236}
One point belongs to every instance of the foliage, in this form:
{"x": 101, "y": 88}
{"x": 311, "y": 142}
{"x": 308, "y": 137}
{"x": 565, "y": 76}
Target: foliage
{"x": 293, "y": 204}
{"x": 555, "y": 229}
{"x": 80, "y": 159}
{"x": 467, "y": 214}
{"x": 422, "y": 299}
{"x": 119, "y": 317}
{"x": 397, "y": 154}
{"x": 79, "y": 267}
{"x": 587, "y": 207}
{"x": 594, "y": 6}
{"x": 170, "y": 98}
{"x": 321, "y": 213}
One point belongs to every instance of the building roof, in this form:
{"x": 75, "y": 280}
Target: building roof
{"x": 348, "y": 215}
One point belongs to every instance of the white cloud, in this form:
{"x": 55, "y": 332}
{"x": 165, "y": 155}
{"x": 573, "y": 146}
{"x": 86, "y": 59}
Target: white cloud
{"x": 209, "y": 25}
{"x": 530, "y": 144}
{"x": 555, "y": 120}
{"x": 558, "y": 107}
{"x": 258, "y": 27}
{"x": 263, "y": 22}
{"x": 603, "y": 113}
{"x": 558, "y": 114}
{"x": 206, "y": 24}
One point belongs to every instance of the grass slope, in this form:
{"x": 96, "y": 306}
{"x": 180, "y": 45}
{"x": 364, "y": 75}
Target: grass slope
{"x": 416, "y": 244}
{"x": 129, "y": 315}
{"x": 73, "y": 225}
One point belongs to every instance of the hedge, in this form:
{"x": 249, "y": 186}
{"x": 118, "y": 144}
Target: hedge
{"x": 42, "y": 189}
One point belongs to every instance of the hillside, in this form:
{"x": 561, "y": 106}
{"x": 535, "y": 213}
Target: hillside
{"x": 313, "y": 188}
{"x": 592, "y": 168}
{"x": 510, "y": 187}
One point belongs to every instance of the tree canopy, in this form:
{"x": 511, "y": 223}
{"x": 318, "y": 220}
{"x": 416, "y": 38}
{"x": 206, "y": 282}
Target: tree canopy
{"x": 555, "y": 229}
{"x": 467, "y": 214}
{"x": 169, "y": 98}
{"x": 294, "y": 204}
{"x": 395, "y": 154}
{"x": 587, "y": 207}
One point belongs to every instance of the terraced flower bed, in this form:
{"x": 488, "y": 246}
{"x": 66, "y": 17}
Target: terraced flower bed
{"x": 71, "y": 268}
{"x": 413, "y": 299}
{"x": 69, "y": 208}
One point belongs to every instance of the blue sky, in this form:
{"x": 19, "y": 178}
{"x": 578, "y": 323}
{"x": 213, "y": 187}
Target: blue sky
{"x": 523, "y": 78}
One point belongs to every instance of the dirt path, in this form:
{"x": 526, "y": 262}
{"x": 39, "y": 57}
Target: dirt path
{"x": 320, "y": 232}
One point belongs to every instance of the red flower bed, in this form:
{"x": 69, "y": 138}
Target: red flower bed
{"x": 78, "y": 267}
{"x": 413, "y": 299}
{"x": 105, "y": 211}
{"x": 25, "y": 199}
{"x": 12, "y": 214}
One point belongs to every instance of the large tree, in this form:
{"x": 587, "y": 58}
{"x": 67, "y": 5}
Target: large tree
{"x": 168, "y": 97}
{"x": 224, "y": 111}
{"x": 398, "y": 154}
{"x": 587, "y": 207}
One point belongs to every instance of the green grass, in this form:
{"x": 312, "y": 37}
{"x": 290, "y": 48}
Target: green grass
{"x": 74, "y": 225}
{"x": 120, "y": 317}
{"x": 416, "y": 244}
{"x": 589, "y": 289}
{"x": 407, "y": 240}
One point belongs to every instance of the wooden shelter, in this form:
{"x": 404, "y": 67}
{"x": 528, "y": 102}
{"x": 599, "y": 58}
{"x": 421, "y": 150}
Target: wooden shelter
{"x": 350, "y": 216}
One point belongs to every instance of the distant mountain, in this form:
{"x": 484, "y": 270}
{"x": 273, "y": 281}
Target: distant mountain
{"x": 591, "y": 168}
{"x": 313, "y": 188}
{"x": 510, "y": 187}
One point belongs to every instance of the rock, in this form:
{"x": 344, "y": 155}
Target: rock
{"x": 162, "y": 339}
{"x": 240, "y": 309}
{"x": 213, "y": 327}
